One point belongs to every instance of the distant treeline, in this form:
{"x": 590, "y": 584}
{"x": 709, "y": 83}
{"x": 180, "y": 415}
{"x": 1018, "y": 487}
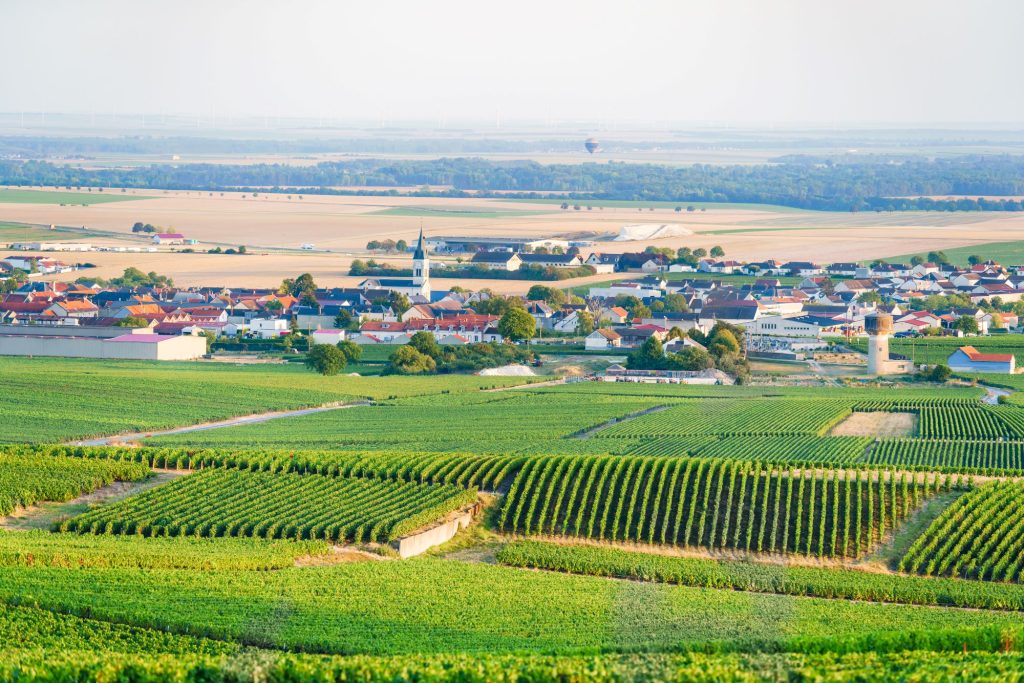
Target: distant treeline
{"x": 827, "y": 186}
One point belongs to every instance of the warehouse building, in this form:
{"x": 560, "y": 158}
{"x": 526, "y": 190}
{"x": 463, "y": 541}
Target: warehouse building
{"x": 72, "y": 342}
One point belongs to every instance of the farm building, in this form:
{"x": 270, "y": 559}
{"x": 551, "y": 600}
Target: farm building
{"x": 169, "y": 238}
{"x": 127, "y": 345}
{"x": 327, "y": 336}
{"x": 969, "y": 359}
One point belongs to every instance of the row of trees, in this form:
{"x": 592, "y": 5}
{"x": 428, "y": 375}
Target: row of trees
{"x": 388, "y": 245}
{"x": 723, "y": 349}
{"x": 423, "y": 355}
{"x": 865, "y": 185}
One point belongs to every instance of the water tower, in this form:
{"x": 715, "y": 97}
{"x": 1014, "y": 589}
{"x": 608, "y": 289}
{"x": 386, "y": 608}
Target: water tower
{"x": 878, "y": 327}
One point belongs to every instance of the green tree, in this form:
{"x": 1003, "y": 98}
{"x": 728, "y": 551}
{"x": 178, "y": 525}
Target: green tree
{"x": 586, "y": 323}
{"x": 408, "y": 361}
{"x": 870, "y": 297}
{"x": 700, "y": 252}
{"x": 916, "y": 260}
{"x": 426, "y": 343}
{"x": 691, "y": 358}
{"x": 966, "y": 324}
{"x": 401, "y": 245}
{"x": 974, "y": 259}
{"x": 938, "y": 373}
{"x": 353, "y": 352}
{"x": 343, "y": 319}
{"x": 399, "y": 303}
{"x": 650, "y": 356}
{"x": 517, "y": 325}
{"x": 326, "y": 359}
{"x": 549, "y": 295}
{"x": 132, "y": 321}
{"x": 717, "y": 252}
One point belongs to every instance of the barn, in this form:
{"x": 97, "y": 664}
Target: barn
{"x": 969, "y": 359}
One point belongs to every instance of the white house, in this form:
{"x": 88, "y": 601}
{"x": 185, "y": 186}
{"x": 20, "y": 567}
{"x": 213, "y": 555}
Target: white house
{"x": 327, "y": 336}
{"x": 602, "y": 339}
{"x": 969, "y": 359}
{"x": 169, "y": 238}
{"x": 269, "y": 328}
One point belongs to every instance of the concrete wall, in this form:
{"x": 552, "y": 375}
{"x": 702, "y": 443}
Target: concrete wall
{"x": 423, "y": 541}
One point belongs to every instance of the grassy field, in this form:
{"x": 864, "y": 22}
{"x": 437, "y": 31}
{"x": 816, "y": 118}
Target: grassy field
{"x": 1007, "y": 253}
{"x": 460, "y": 212}
{"x": 935, "y": 350}
{"x": 110, "y": 397}
{"x": 641, "y": 204}
{"x": 53, "y": 197}
{"x": 19, "y": 232}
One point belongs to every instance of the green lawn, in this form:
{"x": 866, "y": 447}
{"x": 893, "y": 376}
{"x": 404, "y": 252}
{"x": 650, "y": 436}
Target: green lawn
{"x": 55, "y": 197}
{"x": 1007, "y": 253}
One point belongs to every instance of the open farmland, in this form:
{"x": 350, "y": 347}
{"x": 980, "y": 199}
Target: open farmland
{"x": 711, "y": 504}
{"x": 344, "y": 224}
{"x": 234, "y": 503}
{"x": 715, "y": 489}
{"x": 104, "y": 398}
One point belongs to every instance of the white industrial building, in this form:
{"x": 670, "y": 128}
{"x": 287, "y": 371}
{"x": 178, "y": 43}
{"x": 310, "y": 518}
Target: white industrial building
{"x": 119, "y": 343}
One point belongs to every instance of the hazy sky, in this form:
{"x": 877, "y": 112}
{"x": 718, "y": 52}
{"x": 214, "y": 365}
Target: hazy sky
{"x": 696, "y": 61}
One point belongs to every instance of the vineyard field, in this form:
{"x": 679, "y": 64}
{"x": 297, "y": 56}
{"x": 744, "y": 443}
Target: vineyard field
{"x": 461, "y": 469}
{"x": 980, "y": 536}
{"x": 424, "y": 606}
{"x": 110, "y": 397}
{"x": 708, "y": 503}
{"x": 914, "y": 665}
{"x": 26, "y": 480}
{"x": 32, "y": 629}
{"x": 45, "y": 549}
{"x": 490, "y": 423}
{"x": 235, "y": 503}
{"x": 847, "y": 584}
{"x": 950, "y": 455}
{"x": 738, "y": 417}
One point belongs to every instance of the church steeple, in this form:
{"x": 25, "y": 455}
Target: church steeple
{"x": 421, "y": 265}
{"x": 419, "y": 254}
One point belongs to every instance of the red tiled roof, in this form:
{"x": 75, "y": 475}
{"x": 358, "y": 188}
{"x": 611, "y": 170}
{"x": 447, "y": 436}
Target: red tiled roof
{"x": 976, "y": 355}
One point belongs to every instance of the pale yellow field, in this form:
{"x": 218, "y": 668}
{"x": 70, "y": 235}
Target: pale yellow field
{"x": 278, "y": 226}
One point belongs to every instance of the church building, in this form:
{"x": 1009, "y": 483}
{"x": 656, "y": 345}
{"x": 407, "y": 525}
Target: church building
{"x": 416, "y": 286}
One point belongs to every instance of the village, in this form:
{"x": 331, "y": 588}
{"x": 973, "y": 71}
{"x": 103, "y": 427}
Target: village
{"x": 787, "y": 310}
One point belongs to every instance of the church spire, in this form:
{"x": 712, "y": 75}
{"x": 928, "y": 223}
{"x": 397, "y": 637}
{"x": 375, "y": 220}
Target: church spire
{"x": 419, "y": 254}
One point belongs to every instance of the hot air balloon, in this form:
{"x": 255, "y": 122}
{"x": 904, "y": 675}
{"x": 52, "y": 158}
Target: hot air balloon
{"x": 592, "y": 145}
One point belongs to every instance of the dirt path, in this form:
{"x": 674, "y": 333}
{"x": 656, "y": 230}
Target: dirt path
{"x": 43, "y": 515}
{"x": 992, "y": 395}
{"x": 531, "y": 385}
{"x": 233, "y": 422}
{"x": 616, "y": 420}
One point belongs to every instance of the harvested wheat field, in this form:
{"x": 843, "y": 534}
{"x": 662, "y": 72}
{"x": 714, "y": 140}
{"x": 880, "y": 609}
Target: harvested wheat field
{"x": 877, "y": 424}
{"x": 279, "y": 224}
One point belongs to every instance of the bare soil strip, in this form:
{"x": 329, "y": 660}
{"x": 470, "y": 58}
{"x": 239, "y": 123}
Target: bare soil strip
{"x": 44, "y": 515}
{"x": 616, "y": 420}
{"x": 233, "y": 422}
{"x": 877, "y": 424}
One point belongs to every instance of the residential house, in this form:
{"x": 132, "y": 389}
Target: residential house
{"x": 969, "y": 359}
{"x": 497, "y": 260}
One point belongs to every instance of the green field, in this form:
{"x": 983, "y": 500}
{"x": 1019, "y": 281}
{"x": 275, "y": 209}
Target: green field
{"x": 1006, "y": 253}
{"x": 104, "y": 397}
{"x": 423, "y": 606}
{"x": 21, "y": 232}
{"x": 266, "y": 554}
{"x": 935, "y": 350}
{"x": 466, "y": 212}
{"x": 641, "y": 204}
{"x": 54, "y": 197}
